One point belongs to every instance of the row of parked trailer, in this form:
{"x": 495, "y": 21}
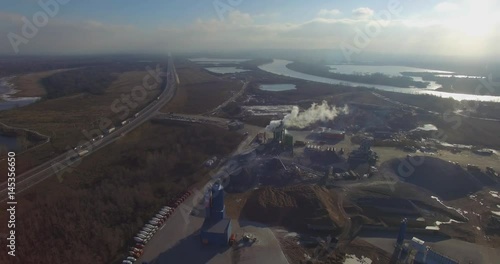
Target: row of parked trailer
{"x": 148, "y": 230}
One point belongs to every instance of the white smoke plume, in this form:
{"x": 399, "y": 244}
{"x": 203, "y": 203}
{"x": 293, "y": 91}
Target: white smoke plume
{"x": 317, "y": 112}
{"x": 273, "y": 125}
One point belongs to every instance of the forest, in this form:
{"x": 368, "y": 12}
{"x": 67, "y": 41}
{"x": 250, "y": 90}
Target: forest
{"x": 93, "y": 80}
{"x": 15, "y": 65}
{"x": 374, "y": 78}
{"x": 92, "y": 214}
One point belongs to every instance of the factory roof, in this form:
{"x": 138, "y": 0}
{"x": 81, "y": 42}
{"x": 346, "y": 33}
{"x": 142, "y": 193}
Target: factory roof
{"x": 328, "y": 130}
{"x": 219, "y": 227}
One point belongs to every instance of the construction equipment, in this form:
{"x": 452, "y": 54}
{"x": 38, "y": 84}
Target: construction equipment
{"x": 232, "y": 239}
{"x": 249, "y": 237}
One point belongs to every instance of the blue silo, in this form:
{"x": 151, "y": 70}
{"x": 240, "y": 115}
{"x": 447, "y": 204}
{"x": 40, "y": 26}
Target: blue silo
{"x": 216, "y": 228}
{"x": 402, "y": 232}
{"x": 217, "y": 209}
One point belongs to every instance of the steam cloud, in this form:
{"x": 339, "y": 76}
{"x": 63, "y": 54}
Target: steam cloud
{"x": 315, "y": 113}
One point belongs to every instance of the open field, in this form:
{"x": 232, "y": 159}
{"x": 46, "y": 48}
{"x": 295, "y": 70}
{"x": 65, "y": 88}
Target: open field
{"x": 64, "y": 119}
{"x": 99, "y": 206}
{"x": 29, "y": 85}
{"x": 469, "y": 131}
{"x": 200, "y": 92}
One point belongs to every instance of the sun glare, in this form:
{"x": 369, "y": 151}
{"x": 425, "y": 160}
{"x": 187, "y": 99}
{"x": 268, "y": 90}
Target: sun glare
{"x": 476, "y": 25}
{"x": 476, "y": 21}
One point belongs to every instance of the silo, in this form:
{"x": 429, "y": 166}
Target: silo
{"x": 402, "y": 232}
{"x": 217, "y": 202}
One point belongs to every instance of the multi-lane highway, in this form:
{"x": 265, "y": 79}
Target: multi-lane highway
{"x": 67, "y": 160}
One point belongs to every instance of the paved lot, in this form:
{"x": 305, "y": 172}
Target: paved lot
{"x": 387, "y": 153}
{"x": 178, "y": 241}
{"x": 462, "y": 251}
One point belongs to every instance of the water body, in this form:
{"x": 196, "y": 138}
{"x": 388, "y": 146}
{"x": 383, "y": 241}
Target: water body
{"x": 217, "y": 61}
{"x": 278, "y": 67}
{"x": 278, "y": 87}
{"x": 6, "y": 101}
{"x": 387, "y": 70}
{"x": 459, "y": 76}
{"x": 225, "y": 70}
{"x": 17, "y": 102}
{"x": 9, "y": 143}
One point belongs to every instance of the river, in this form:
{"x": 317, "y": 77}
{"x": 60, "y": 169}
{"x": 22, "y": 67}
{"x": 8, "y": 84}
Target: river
{"x": 7, "y": 101}
{"x": 9, "y": 143}
{"x": 279, "y": 67}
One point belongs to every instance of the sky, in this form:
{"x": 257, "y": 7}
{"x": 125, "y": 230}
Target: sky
{"x": 464, "y": 28}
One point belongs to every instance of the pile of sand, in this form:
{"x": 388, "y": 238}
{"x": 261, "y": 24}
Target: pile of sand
{"x": 294, "y": 207}
{"x": 441, "y": 177}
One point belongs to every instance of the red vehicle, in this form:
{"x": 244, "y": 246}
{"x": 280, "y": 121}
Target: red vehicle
{"x": 139, "y": 246}
{"x": 136, "y": 250}
{"x": 232, "y": 239}
{"x": 137, "y": 254}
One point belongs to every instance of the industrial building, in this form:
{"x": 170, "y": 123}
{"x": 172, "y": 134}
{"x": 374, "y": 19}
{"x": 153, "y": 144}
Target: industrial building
{"x": 363, "y": 154}
{"x": 281, "y": 137}
{"x": 235, "y": 125}
{"x": 328, "y": 133}
{"x": 216, "y": 229}
{"x": 416, "y": 250}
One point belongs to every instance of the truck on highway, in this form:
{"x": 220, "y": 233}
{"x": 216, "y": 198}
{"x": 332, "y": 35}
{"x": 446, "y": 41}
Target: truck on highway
{"x": 124, "y": 122}
{"x": 111, "y": 130}
{"x": 136, "y": 115}
{"x": 82, "y": 153}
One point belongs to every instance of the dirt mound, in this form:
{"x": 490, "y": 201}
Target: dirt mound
{"x": 295, "y": 207}
{"x": 493, "y": 226}
{"x": 442, "y": 178}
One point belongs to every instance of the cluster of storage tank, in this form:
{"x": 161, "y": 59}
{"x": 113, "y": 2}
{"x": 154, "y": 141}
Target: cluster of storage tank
{"x": 148, "y": 230}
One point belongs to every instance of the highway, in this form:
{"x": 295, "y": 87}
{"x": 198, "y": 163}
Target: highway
{"x": 58, "y": 164}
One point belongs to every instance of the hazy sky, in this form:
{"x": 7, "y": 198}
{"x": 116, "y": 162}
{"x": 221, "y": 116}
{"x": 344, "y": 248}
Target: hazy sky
{"x": 453, "y": 27}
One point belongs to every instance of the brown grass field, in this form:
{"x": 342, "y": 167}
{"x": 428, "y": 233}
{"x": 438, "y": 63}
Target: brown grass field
{"x": 64, "y": 119}
{"x": 200, "y": 92}
{"x": 29, "y": 84}
{"x": 92, "y": 215}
